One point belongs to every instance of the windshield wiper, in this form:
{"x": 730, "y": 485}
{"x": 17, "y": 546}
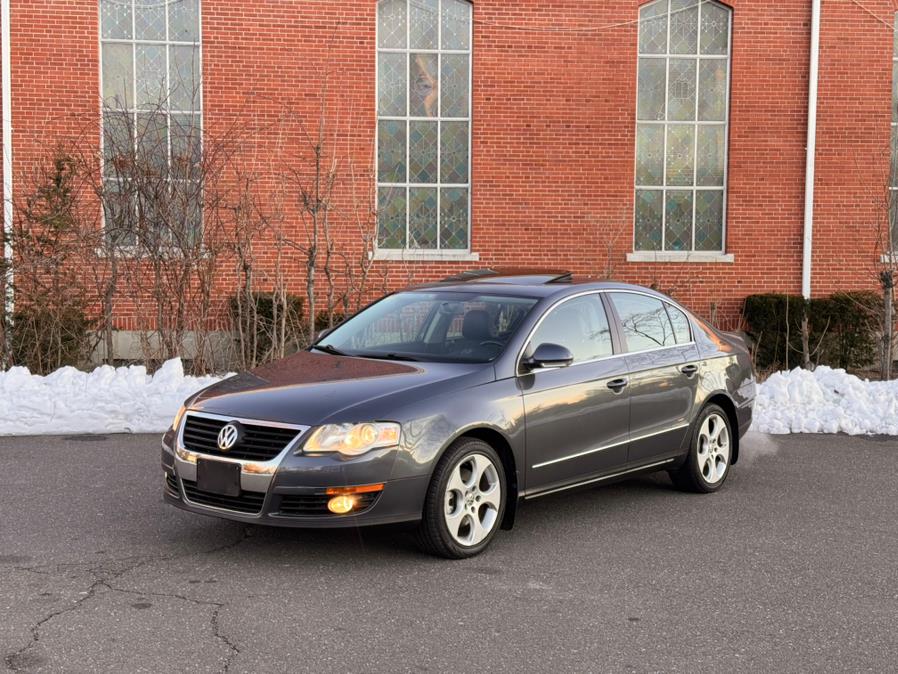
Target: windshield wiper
{"x": 327, "y": 348}
{"x": 388, "y": 356}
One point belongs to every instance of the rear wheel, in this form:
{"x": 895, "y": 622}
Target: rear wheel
{"x": 708, "y": 464}
{"x": 465, "y": 501}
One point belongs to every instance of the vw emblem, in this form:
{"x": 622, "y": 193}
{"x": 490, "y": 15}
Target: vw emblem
{"x": 228, "y": 436}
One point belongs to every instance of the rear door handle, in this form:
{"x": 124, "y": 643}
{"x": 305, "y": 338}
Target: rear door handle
{"x": 689, "y": 370}
{"x": 618, "y": 385}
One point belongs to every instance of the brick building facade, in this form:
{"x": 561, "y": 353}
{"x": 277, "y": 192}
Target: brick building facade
{"x": 531, "y": 157}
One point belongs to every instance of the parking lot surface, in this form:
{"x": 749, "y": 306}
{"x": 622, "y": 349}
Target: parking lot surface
{"x": 793, "y": 566}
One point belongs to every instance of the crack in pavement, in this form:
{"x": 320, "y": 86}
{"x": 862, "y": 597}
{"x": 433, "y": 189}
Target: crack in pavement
{"x": 45, "y": 570}
{"x": 213, "y": 619}
{"x": 216, "y": 631}
{"x": 103, "y": 578}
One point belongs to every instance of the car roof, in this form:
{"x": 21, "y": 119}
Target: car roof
{"x": 526, "y": 283}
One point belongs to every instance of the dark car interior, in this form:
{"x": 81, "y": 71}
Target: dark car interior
{"x": 450, "y": 327}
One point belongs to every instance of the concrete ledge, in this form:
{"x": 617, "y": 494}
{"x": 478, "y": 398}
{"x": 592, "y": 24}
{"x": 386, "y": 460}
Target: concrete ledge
{"x": 697, "y": 257}
{"x": 426, "y": 255}
{"x": 128, "y": 345}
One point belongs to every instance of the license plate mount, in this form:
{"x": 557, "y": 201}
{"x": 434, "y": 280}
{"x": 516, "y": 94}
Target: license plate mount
{"x": 218, "y": 477}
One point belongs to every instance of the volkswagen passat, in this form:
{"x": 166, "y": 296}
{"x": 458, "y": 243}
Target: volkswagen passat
{"x": 450, "y": 403}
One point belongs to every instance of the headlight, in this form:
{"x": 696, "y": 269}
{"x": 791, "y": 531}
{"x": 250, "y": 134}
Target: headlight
{"x": 352, "y": 439}
{"x": 178, "y": 416}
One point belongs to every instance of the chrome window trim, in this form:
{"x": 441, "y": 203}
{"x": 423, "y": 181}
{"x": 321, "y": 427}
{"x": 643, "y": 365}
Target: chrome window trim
{"x": 600, "y": 291}
{"x": 637, "y": 438}
{"x": 271, "y": 463}
{"x": 599, "y": 479}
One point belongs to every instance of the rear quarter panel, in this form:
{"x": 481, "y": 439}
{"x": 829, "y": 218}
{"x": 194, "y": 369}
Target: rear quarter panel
{"x": 726, "y": 368}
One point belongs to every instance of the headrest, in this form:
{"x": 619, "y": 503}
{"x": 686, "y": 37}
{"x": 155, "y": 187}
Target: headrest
{"x": 476, "y": 325}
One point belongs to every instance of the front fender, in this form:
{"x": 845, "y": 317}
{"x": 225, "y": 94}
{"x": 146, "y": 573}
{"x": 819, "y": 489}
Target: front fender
{"x": 496, "y": 406}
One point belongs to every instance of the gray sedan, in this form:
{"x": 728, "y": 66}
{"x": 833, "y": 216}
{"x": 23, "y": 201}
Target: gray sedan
{"x": 447, "y": 404}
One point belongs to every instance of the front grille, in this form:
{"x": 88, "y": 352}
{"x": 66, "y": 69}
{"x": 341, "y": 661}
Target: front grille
{"x": 259, "y": 442}
{"x": 171, "y": 483}
{"x": 249, "y": 502}
{"x": 313, "y": 505}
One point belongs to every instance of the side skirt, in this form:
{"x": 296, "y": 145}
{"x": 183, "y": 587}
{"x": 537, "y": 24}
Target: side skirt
{"x": 601, "y": 478}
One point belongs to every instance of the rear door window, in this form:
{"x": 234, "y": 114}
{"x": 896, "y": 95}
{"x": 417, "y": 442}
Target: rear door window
{"x": 680, "y": 324}
{"x": 644, "y": 322}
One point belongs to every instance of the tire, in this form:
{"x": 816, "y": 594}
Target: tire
{"x": 465, "y": 501}
{"x": 710, "y": 453}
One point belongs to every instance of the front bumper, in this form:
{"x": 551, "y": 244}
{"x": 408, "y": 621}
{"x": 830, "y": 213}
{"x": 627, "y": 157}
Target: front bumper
{"x": 292, "y": 490}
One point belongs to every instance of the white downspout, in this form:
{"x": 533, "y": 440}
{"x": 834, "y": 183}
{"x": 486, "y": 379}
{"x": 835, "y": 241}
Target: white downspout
{"x": 808, "y": 247}
{"x": 6, "y": 93}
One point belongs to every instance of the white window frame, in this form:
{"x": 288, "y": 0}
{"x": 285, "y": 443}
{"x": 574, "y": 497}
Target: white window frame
{"x": 134, "y": 110}
{"x": 691, "y": 255}
{"x": 438, "y": 253}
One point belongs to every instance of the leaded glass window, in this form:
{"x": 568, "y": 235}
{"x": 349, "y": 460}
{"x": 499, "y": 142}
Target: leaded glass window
{"x": 152, "y": 109}
{"x": 424, "y": 124}
{"x": 681, "y": 128}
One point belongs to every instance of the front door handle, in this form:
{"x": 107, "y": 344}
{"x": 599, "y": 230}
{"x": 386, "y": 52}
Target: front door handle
{"x": 618, "y": 385}
{"x": 689, "y": 370}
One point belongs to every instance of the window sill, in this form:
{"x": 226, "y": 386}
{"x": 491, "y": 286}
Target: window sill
{"x": 425, "y": 255}
{"x": 695, "y": 257}
{"x": 889, "y": 259}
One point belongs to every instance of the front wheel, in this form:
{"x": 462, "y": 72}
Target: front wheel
{"x": 465, "y": 501}
{"x": 708, "y": 464}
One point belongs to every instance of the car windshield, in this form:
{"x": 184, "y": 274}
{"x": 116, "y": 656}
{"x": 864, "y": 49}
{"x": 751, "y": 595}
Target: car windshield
{"x": 431, "y": 326}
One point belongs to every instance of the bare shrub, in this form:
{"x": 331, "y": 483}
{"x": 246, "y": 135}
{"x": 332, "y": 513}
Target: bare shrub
{"x": 51, "y": 239}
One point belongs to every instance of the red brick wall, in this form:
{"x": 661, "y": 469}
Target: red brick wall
{"x": 554, "y": 100}
{"x": 853, "y": 129}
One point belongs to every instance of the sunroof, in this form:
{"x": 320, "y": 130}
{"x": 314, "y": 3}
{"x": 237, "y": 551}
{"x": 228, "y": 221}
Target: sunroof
{"x": 511, "y": 276}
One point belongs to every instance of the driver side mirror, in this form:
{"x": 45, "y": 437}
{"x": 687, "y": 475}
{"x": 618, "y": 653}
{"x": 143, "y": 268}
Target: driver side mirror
{"x": 321, "y": 334}
{"x": 549, "y": 355}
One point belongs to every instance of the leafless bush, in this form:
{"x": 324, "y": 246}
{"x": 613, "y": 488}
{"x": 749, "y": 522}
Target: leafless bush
{"x": 155, "y": 183}
{"x": 611, "y": 228}
{"x": 884, "y": 267}
{"x": 51, "y": 237}
{"x": 164, "y": 231}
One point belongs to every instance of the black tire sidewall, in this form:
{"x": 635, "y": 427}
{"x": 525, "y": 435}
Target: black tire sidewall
{"x": 455, "y": 455}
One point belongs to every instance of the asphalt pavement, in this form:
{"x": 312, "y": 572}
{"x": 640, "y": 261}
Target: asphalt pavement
{"x": 793, "y": 566}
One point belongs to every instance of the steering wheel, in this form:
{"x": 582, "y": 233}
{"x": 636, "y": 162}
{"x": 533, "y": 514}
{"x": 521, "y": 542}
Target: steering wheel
{"x": 492, "y": 342}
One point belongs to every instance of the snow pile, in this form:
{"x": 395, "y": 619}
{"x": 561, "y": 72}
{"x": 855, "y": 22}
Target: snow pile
{"x": 826, "y": 401}
{"x": 107, "y": 400}
{"x": 128, "y": 400}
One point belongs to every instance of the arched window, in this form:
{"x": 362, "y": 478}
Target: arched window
{"x": 423, "y": 124}
{"x": 682, "y": 114}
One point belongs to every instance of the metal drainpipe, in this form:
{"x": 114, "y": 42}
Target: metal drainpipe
{"x": 6, "y": 93}
{"x": 808, "y": 247}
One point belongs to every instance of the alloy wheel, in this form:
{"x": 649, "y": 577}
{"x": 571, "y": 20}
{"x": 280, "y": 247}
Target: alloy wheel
{"x": 713, "y": 448}
{"x": 472, "y": 499}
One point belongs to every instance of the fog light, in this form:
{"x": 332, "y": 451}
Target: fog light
{"x": 342, "y": 504}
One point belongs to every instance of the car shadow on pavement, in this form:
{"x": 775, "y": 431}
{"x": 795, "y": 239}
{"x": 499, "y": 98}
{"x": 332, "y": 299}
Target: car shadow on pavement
{"x": 392, "y": 544}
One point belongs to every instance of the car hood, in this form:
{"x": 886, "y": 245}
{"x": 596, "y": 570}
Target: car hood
{"x": 311, "y": 388}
